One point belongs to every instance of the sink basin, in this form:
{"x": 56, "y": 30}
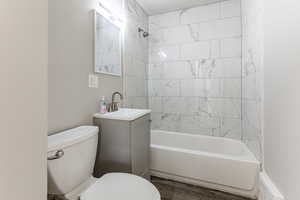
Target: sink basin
{"x": 125, "y": 114}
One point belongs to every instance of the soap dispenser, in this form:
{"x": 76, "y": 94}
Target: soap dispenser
{"x": 103, "y": 108}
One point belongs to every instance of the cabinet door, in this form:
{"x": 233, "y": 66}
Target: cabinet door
{"x": 140, "y": 146}
{"x": 114, "y": 147}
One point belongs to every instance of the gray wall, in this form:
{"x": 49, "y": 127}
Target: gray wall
{"x": 71, "y": 102}
{"x": 23, "y": 103}
{"x": 282, "y": 97}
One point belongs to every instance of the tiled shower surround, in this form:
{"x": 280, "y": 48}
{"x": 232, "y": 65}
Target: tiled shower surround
{"x": 135, "y": 56}
{"x": 195, "y": 70}
{"x": 135, "y": 53}
{"x": 252, "y": 75}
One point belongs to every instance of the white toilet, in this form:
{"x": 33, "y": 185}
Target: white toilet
{"x": 71, "y": 158}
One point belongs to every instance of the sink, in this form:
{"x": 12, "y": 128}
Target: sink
{"x": 125, "y": 114}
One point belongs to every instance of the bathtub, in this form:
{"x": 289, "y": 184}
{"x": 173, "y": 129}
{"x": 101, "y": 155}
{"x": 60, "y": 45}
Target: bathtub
{"x": 213, "y": 162}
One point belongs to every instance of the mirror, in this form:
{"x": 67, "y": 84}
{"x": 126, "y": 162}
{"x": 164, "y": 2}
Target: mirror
{"x": 108, "y": 45}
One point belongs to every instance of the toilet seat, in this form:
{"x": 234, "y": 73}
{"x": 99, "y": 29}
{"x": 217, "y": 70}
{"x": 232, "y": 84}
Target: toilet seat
{"x": 117, "y": 186}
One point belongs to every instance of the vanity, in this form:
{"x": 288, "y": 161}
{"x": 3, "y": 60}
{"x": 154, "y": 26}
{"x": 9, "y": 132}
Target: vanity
{"x": 124, "y": 142}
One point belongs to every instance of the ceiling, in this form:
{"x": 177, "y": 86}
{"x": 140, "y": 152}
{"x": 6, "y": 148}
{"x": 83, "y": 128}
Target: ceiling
{"x": 153, "y": 7}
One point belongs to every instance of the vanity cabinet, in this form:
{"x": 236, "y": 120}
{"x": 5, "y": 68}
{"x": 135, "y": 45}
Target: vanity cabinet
{"x": 124, "y": 143}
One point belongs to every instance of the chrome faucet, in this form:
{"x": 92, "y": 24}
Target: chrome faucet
{"x": 113, "y": 106}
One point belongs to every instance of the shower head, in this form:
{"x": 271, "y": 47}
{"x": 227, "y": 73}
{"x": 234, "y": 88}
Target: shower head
{"x": 145, "y": 34}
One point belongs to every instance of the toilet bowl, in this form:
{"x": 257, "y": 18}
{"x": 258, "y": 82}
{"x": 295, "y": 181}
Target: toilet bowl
{"x": 116, "y": 186}
{"x": 71, "y": 158}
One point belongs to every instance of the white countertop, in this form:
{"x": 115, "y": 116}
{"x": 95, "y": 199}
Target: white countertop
{"x": 125, "y": 114}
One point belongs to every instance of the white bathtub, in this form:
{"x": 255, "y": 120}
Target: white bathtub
{"x": 217, "y": 163}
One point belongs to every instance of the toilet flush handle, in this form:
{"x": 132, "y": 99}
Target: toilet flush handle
{"x": 57, "y": 155}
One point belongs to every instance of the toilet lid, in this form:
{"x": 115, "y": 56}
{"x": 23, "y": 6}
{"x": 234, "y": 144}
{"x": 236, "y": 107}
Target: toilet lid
{"x": 121, "y": 186}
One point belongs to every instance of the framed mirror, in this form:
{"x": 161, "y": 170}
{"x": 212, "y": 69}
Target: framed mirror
{"x": 108, "y": 45}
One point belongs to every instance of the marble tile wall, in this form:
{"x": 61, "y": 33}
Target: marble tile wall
{"x": 135, "y": 58}
{"x": 195, "y": 70}
{"x": 252, "y": 75}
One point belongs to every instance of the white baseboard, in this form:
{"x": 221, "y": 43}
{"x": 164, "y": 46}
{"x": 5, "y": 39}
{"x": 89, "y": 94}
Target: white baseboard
{"x": 267, "y": 189}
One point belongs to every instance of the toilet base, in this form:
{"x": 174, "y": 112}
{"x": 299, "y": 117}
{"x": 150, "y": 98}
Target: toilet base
{"x": 75, "y": 194}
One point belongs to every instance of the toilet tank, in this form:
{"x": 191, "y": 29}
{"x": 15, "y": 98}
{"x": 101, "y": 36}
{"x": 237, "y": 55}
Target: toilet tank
{"x": 79, "y": 147}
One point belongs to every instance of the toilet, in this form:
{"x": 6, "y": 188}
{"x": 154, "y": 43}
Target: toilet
{"x": 71, "y": 159}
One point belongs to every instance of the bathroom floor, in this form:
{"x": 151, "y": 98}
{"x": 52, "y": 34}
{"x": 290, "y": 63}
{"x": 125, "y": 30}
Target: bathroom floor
{"x": 171, "y": 190}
